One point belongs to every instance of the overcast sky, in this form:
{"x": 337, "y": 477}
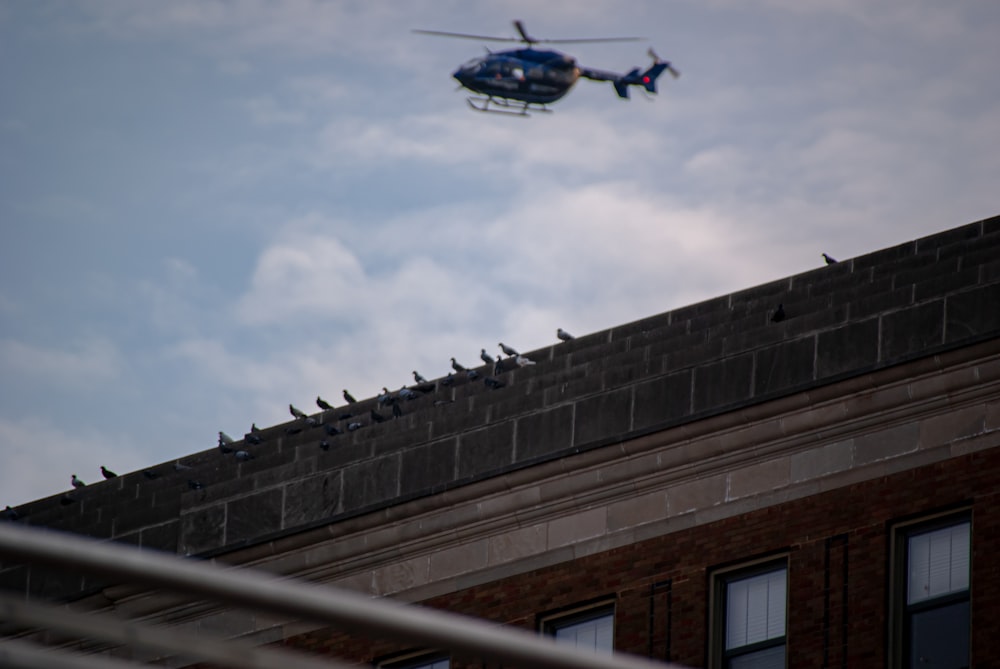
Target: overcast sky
{"x": 210, "y": 209}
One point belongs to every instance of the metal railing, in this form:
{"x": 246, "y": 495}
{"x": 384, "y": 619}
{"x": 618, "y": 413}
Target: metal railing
{"x": 258, "y": 590}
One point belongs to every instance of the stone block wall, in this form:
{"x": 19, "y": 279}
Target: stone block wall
{"x": 917, "y": 299}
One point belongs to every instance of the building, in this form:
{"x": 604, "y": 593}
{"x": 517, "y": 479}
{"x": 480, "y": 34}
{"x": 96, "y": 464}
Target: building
{"x": 713, "y": 486}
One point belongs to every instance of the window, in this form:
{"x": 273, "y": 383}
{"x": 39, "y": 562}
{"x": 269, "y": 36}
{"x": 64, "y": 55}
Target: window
{"x": 749, "y": 617}
{"x": 418, "y": 661}
{"x": 592, "y": 628}
{"x": 930, "y": 607}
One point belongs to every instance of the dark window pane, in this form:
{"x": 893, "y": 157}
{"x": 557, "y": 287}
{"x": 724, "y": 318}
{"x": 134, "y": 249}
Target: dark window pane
{"x": 939, "y": 638}
{"x": 769, "y": 658}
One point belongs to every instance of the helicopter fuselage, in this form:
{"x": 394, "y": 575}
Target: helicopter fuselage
{"x": 532, "y": 76}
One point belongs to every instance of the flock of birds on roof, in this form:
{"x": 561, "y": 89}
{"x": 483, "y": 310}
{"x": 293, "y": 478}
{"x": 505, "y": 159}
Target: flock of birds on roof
{"x": 228, "y": 446}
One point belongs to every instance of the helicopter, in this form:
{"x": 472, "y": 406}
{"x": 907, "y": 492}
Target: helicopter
{"x": 517, "y": 81}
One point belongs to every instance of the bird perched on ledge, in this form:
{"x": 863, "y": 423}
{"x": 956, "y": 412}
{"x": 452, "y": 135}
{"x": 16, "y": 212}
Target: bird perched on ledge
{"x": 107, "y": 473}
{"x": 564, "y": 336}
{"x": 418, "y": 378}
{"x": 829, "y": 260}
{"x": 349, "y": 398}
{"x": 323, "y": 404}
{"x": 456, "y": 366}
{"x": 296, "y": 413}
{"x": 523, "y": 361}
{"x": 506, "y": 349}
{"x": 77, "y": 483}
{"x": 485, "y": 357}
{"x": 779, "y": 314}
{"x": 224, "y": 443}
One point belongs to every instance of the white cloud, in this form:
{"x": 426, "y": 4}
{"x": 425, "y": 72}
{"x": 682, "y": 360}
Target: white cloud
{"x": 303, "y": 275}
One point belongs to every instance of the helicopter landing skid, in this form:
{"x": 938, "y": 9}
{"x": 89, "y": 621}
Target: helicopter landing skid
{"x": 504, "y": 106}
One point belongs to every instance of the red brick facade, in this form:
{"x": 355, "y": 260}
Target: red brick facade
{"x": 838, "y": 568}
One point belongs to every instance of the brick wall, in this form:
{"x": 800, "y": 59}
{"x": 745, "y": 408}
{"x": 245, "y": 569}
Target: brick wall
{"x": 666, "y": 580}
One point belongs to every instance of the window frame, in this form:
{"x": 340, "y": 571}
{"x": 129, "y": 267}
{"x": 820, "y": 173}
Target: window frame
{"x": 719, "y": 580}
{"x": 550, "y": 623}
{"x": 413, "y": 659}
{"x": 900, "y": 611}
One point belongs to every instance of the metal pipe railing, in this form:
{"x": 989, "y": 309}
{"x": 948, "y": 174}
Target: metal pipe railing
{"x": 170, "y": 641}
{"x": 24, "y": 655}
{"x": 256, "y": 589}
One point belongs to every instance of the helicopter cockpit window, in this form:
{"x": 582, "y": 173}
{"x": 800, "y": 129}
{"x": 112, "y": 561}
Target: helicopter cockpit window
{"x": 473, "y": 65}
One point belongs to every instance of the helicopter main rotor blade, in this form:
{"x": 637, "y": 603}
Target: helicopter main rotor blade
{"x": 441, "y": 33}
{"x": 589, "y": 40}
{"x": 519, "y": 26}
{"x": 526, "y": 38}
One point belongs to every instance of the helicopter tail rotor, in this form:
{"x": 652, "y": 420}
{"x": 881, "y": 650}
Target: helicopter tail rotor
{"x": 668, "y": 67}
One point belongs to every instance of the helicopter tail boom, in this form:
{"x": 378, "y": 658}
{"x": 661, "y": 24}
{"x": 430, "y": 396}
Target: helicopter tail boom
{"x": 621, "y": 82}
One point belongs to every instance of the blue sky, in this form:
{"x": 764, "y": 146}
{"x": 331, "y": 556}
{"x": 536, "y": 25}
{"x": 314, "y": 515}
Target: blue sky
{"x": 210, "y": 209}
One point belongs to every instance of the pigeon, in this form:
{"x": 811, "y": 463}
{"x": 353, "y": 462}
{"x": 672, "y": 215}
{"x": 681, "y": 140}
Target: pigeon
{"x": 194, "y": 485}
{"x": 385, "y": 397}
{"x": 345, "y": 415}
{"x": 492, "y": 383}
{"x": 150, "y": 474}
{"x": 829, "y": 260}
{"x": 77, "y": 483}
{"x": 407, "y": 394}
{"x": 325, "y": 445}
{"x": 564, "y": 336}
{"x": 323, "y": 404}
{"x": 10, "y": 514}
{"x": 66, "y": 500}
{"x": 312, "y": 421}
{"x": 243, "y": 456}
{"x": 224, "y": 441}
{"x": 351, "y": 427}
{"x": 376, "y": 416}
{"x": 396, "y": 410}
{"x": 498, "y": 366}
{"x": 295, "y": 412}
{"x": 107, "y": 473}
{"x": 254, "y": 428}
{"x": 472, "y": 374}
{"x": 349, "y": 397}
{"x": 427, "y": 387}
{"x": 418, "y": 378}
{"x": 448, "y": 380}
{"x": 779, "y": 314}
{"x": 332, "y": 430}
{"x": 292, "y": 429}
{"x": 181, "y": 467}
{"x": 523, "y": 360}
{"x": 253, "y": 438}
{"x": 507, "y": 349}
{"x": 457, "y": 367}
{"x": 485, "y": 357}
